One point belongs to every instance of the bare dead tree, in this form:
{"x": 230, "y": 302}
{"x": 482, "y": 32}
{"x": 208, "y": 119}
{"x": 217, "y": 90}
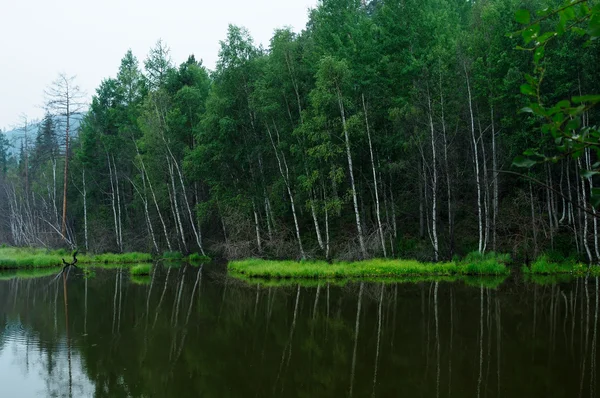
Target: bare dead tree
{"x": 64, "y": 98}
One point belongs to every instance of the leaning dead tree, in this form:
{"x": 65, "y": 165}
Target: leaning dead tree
{"x": 64, "y": 99}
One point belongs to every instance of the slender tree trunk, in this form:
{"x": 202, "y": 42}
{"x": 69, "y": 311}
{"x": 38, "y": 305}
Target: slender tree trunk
{"x": 315, "y": 220}
{"x": 533, "y": 223}
{"x": 118, "y": 194}
{"x": 113, "y": 200}
{"x": 162, "y": 221}
{"x": 588, "y": 158}
{"x": 85, "y": 219}
{"x": 285, "y": 176}
{"x": 376, "y": 186}
{"x": 176, "y": 205}
{"x": 584, "y": 232}
{"x": 63, "y": 227}
{"x": 361, "y": 240}
{"x": 257, "y": 227}
{"x": 434, "y": 236}
{"x": 476, "y": 164}
{"x": 197, "y": 231}
{"x": 494, "y": 182}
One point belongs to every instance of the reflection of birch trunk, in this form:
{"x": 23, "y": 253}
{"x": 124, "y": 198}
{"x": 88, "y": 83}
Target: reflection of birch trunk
{"x": 378, "y": 338}
{"x": 480, "y": 342}
{"x": 357, "y": 324}
{"x": 437, "y": 339}
{"x": 288, "y": 347}
{"x": 162, "y": 296}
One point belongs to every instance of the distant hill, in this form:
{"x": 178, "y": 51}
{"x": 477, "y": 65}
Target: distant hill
{"x": 15, "y": 136}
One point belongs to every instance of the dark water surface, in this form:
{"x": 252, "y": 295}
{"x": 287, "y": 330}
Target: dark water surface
{"x": 193, "y": 332}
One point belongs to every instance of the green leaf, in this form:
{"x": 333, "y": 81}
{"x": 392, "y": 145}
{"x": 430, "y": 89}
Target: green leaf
{"x": 522, "y": 161}
{"x": 586, "y": 98}
{"x": 538, "y": 55}
{"x": 530, "y": 33}
{"x": 522, "y": 16}
{"x": 527, "y": 89}
{"x": 588, "y": 173}
{"x": 545, "y": 37}
{"x": 594, "y": 25}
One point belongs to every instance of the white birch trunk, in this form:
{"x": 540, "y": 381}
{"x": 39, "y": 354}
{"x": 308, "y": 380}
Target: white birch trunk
{"x": 85, "y": 219}
{"x": 113, "y": 199}
{"x": 476, "y": 163}
{"x": 257, "y": 227}
{"x": 118, "y": 194}
{"x": 176, "y": 205}
{"x": 350, "y": 168}
{"x": 162, "y": 221}
{"x": 376, "y": 186}
{"x": 434, "y": 236}
{"x": 285, "y": 176}
{"x": 197, "y": 232}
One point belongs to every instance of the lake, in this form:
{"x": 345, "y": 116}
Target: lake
{"x": 195, "y": 332}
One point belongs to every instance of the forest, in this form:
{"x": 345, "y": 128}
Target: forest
{"x": 386, "y": 128}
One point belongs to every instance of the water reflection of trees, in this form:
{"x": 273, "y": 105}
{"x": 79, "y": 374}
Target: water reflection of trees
{"x": 191, "y": 331}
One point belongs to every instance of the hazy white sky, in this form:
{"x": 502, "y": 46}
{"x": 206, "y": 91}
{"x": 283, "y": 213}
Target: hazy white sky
{"x": 40, "y": 38}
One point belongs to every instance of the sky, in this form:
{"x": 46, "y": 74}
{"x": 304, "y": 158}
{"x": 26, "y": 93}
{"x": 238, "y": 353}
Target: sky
{"x": 40, "y": 39}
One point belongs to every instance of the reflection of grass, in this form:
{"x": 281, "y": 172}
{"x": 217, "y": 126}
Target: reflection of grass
{"x": 140, "y": 279}
{"x": 140, "y": 269}
{"x": 472, "y": 265}
{"x": 29, "y": 273}
{"x": 542, "y": 279}
{"x": 12, "y": 257}
{"x": 545, "y": 265}
{"x": 490, "y": 282}
{"x": 178, "y": 256}
{"x": 487, "y": 281}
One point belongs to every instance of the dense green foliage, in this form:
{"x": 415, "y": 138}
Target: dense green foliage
{"x": 385, "y": 128}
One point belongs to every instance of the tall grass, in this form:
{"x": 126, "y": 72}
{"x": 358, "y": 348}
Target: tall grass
{"x": 548, "y": 265}
{"x": 473, "y": 265}
{"x": 11, "y": 257}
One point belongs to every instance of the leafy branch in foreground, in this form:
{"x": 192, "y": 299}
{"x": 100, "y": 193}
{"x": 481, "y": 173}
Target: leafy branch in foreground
{"x": 567, "y": 120}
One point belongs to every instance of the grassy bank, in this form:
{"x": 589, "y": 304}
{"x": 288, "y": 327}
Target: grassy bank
{"x": 13, "y": 258}
{"x": 547, "y": 265}
{"x": 473, "y": 264}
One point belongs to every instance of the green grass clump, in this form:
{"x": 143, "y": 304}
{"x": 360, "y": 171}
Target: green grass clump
{"x": 140, "y": 269}
{"x": 490, "y": 263}
{"x": 13, "y": 257}
{"x": 364, "y": 269}
{"x": 546, "y": 265}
